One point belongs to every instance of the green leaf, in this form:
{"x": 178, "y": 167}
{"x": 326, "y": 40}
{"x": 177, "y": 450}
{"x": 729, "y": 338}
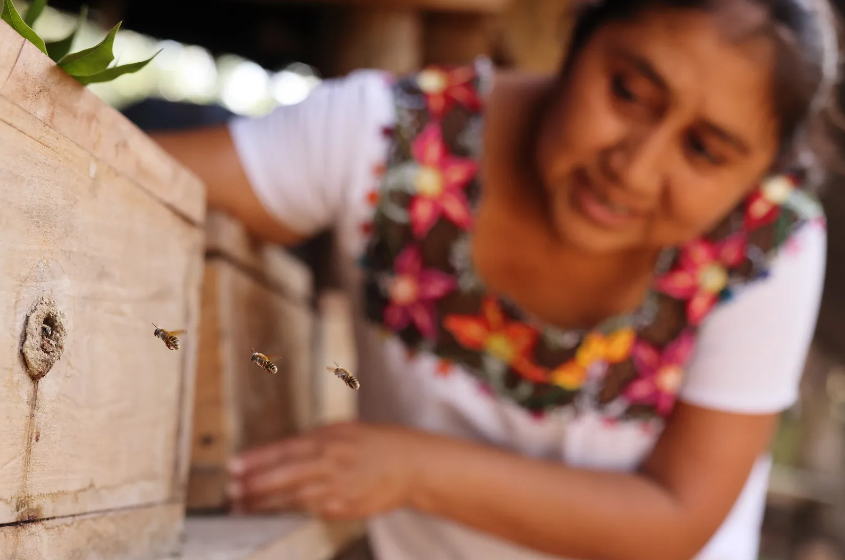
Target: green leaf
{"x": 94, "y": 60}
{"x": 34, "y": 10}
{"x": 58, "y": 49}
{"x": 11, "y": 16}
{"x": 114, "y": 72}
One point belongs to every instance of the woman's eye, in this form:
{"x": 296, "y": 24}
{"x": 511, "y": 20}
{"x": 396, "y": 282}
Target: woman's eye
{"x": 621, "y": 89}
{"x": 699, "y": 149}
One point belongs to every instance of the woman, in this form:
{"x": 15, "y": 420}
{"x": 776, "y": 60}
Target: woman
{"x": 577, "y": 345}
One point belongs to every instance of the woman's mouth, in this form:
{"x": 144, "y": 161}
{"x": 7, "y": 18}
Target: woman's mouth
{"x": 598, "y": 208}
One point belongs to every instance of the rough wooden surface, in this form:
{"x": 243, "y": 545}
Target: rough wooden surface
{"x": 239, "y": 405}
{"x": 387, "y": 37}
{"x": 142, "y": 533}
{"x": 100, "y": 430}
{"x": 535, "y": 33}
{"x": 288, "y": 537}
{"x": 30, "y": 80}
{"x": 334, "y": 401}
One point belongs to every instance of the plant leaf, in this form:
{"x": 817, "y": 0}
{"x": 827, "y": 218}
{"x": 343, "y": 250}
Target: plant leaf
{"x": 34, "y": 10}
{"x": 93, "y": 60}
{"x": 58, "y": 49}
{"x": 113, "y": 72}
{"x": 11, "y": 16}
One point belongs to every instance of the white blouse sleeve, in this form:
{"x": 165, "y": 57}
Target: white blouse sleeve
{"x": 751, "y": 351}
{"x": 301, "y": 160}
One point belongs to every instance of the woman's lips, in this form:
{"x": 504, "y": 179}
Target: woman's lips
{"x": 596, "y": 208}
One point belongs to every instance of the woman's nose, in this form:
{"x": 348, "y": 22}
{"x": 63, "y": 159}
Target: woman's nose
{"x": 636, "y": 165}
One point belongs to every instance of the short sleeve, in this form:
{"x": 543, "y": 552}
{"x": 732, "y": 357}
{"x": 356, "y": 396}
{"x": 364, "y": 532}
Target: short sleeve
{"x": 302, "y": 160}
{"x": 751, "y": 350}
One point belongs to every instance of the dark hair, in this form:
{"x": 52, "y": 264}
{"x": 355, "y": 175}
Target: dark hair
{"x": 805, "y": 39}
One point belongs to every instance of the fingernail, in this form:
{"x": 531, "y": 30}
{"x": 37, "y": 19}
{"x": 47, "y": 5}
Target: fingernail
{"x": 234, "y": 490}
{"x": 236, "y": 466}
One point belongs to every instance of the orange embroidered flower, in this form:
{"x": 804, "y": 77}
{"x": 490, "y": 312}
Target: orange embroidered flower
{"x": 596, "y": 347}
{"x": 510, "y": 342}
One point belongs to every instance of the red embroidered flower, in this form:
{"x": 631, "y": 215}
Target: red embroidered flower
{"x": 508, "y": 341}
{"x": 444, "y": 87}
{"x": 764, "y": 205}
{"x": 660, "y": 375}
{"x": 702, "y": 273}
{"x": 439, "y": 183}
{"x": 413, "y": 291}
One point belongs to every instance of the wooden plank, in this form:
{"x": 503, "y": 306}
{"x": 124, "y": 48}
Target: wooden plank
{"x": 41, "y": 88}
{"x": 134, "y": 534}
{"x": 457, "y": 38}
{"x": 386, "y": 37}
{"x": 292, "y": 537}
{"x": 238, "y": 405}
{"x": 335, "y": 402}
{"x": 272, "y": 264}
{"x": 535, "y": 33}
{"x": 100, "y": 430}
{"x": 481, "y": 6}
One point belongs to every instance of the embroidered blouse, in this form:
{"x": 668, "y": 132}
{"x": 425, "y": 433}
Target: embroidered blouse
{"x": 392, "y": 164}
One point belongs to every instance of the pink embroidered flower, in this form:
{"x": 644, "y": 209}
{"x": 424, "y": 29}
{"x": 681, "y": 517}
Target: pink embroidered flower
{"x": 702, "y": 273}
{"x": 764, "y": 205}
{"x": 443, "y": 87}
{"x": 660, "y": 376}
{"x": 439, "y": 183}
{"x": 413, "y": 291}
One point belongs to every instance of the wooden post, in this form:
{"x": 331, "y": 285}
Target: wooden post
{"x": 457, "y": 38}
{"x": 385, "y": 38}
{"x": 535, "y": 33}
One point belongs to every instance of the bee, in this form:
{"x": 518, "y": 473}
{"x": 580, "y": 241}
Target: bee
{"x": 264, "y": 361}
{"x": 169, "y": 337}
{"x": 350, "y": 380}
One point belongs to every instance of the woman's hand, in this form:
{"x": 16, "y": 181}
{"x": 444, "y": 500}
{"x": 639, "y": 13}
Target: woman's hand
{"x": 342, "y": 471}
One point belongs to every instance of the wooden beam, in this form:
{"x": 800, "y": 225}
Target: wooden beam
{"x": 480, "y": 6}
{"x": 457, "y": 38}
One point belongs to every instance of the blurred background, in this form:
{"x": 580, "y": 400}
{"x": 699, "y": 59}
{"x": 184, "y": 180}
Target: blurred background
{"x": 225, "y": 57}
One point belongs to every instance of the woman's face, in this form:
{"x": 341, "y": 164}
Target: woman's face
{"x": 664, "y": 125}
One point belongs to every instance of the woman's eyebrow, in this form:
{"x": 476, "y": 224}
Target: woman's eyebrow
{"x": 643, "y": 66}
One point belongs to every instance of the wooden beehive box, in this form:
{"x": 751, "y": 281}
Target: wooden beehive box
{"x": 106, "y": 231}
{"x": 255, "y": 296}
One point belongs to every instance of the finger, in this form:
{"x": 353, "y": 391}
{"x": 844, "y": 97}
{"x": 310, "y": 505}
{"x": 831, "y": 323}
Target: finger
{"x": 279, "y": 479}
{"x": 280, "y": 451}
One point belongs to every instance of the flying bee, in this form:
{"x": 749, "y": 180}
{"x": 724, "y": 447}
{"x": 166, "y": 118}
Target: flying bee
{"x": 169, "y": 337}
{"x": 264, "y": 361}
{"x": 350, "y": 380}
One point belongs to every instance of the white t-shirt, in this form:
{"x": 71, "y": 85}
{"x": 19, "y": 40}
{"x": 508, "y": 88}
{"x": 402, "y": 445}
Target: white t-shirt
{"x": 312, "y": 166}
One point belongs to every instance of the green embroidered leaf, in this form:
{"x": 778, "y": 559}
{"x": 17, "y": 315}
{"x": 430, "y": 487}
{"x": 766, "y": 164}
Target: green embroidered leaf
{"x": 114, "y": 72}
{"x": 58, "y": 49}
{"x": 11, "y": 16}
{"x": 93, "y": 60}
{"x": 34, "y": 10}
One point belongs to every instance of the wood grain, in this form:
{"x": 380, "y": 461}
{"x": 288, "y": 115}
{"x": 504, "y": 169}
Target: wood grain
{"x": 239, "y": 405}
{"x": 135, "y": 534}
{"x": 35, "y": 84}
{"x": 99, "y": 431}
{"x": 335, "y": 402}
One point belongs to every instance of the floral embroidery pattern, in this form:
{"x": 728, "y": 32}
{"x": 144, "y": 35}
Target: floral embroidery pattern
{"x": 445, "y": 87}
{"x": 439, "y": 183}
{"x": 413, "y": 291}
{"x": 660, "y": 373}
{"x": 508, "y": 342}
{"x": 596, "y": 347}
{"x": 421, "y": 285}
{"x": 702, "y": 274}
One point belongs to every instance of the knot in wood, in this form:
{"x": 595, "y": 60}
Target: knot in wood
{"x": 43, "y": 338}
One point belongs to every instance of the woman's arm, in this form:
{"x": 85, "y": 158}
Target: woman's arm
{"x": 210, "y": 153}
{"x": 667, "y": 511}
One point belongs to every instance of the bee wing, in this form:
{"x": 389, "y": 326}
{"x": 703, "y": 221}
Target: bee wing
{"x": 330, "y": 369}
{"x": 273, "y": 357}
{"x": 174, "y": 333}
